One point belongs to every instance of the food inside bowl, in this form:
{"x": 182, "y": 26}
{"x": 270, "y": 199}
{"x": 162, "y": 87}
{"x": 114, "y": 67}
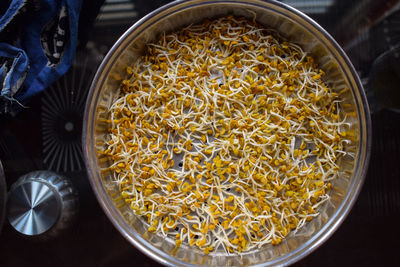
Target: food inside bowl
{"x": 225, "y": 136}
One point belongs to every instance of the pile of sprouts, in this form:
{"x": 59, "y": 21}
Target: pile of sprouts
{"x": 225, "y": 136}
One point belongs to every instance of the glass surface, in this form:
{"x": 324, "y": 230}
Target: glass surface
{"x": 45, "y": 136}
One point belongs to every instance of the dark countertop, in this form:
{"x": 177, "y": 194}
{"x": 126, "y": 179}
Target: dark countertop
{"x": 366, "y": 238}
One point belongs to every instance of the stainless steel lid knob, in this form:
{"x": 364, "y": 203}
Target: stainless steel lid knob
{"x": 41, "y": 203}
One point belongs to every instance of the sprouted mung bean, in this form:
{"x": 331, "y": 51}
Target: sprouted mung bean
{"x": 256, "y": 131}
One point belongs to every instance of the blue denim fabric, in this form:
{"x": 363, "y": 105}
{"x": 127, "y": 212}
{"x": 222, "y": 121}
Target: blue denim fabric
{"x": 13, "y": 70}
{"x": 47, "y": 43}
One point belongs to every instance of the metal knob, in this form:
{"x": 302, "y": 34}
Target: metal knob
{"x": 41, "y": 203}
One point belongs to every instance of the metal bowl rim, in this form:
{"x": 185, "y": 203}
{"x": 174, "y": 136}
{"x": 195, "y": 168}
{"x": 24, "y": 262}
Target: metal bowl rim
{"x": 333, "y": 223}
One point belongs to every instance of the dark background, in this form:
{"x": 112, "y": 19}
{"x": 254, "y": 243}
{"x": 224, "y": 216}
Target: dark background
{"x": 369, "y": 32}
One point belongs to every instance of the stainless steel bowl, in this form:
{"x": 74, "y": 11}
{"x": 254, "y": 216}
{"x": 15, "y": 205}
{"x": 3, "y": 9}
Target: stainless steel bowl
{"x": 296, "y": 27}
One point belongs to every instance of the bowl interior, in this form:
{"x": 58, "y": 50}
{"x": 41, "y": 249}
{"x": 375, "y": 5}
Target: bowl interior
{"x": 296, "y": 28}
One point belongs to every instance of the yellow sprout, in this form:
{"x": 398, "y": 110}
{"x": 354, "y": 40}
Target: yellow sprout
{"x": 223, "y": 136}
